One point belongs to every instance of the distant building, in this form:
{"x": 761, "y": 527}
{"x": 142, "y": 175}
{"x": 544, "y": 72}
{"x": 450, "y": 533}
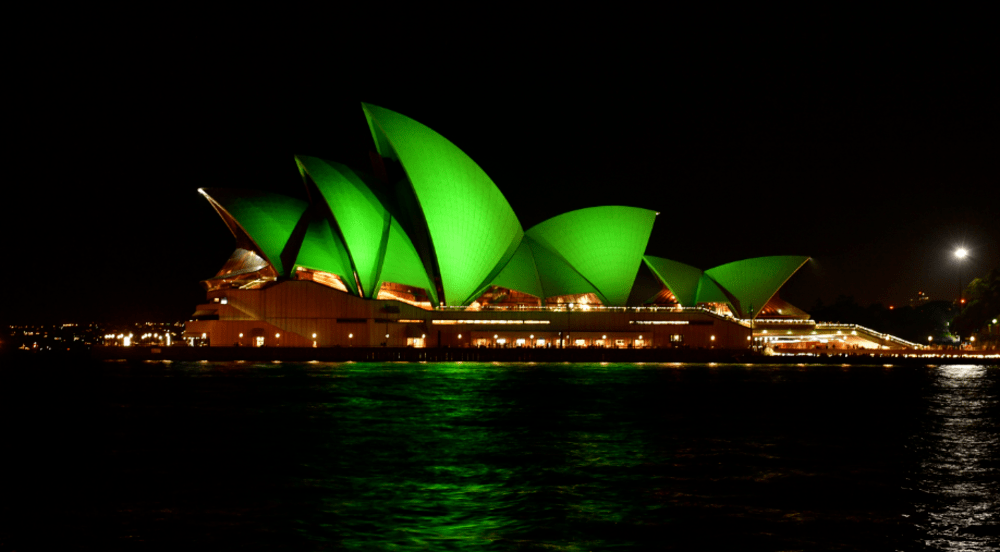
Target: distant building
{"x": 431, "y": 254}
{"x": 920, "y": 300}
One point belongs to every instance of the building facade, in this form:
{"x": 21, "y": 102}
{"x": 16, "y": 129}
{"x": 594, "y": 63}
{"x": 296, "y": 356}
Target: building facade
{"x": 426, "y": 252}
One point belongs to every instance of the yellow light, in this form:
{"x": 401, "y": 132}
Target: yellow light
{"x": 241, "y": 336}
{"x": 961, "y": 253}
{"x": 277, "y": 335}
{"x": 314, "y": 336}
{"x": 350, "y": 336}
{"x": 494, "y": 336}
{"x": 460, "y": 336}
{"x": 712, "y": 338}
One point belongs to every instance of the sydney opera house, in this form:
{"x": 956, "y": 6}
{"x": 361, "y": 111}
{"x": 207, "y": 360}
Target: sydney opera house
{"x": 425, "y": 251}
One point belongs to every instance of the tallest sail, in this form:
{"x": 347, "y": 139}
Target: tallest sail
{"x": 473, "y": 230}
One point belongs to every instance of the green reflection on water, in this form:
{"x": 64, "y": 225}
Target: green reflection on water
{"x": 458, "y": 453}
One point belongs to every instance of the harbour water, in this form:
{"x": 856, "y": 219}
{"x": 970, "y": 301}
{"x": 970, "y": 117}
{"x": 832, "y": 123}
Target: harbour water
{"x": 489, "y": 456}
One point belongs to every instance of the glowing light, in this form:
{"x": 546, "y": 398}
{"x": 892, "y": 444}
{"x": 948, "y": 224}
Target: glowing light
{"x": 460, "y": 336}
{"x": 350, "y": 336}
{"x": 961, "y": 253}
{"x": 277, "y": 335}
{"x": 712, "y": 338}
{"x": 314, "y": 336}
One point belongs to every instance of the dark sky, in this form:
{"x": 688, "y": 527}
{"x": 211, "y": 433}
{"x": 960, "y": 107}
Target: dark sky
{"x": 876, "y": 159}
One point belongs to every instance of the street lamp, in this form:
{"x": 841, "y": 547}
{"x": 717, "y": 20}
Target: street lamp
{"x": 961, "y": 253}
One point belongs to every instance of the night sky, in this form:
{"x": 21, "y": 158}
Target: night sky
{"x": 876, "y": 160}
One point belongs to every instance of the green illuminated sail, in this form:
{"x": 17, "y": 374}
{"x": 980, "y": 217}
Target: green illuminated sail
{"x": 521, "y": 273}
{"x": 710, "y": 292}
{"x": 402, "y": 263}
{"x": 681, "y": 279}
{"x": 322, "y": 250}
{"x": 754, "y": 281}
{"x": 361, "y": 217}
{"x": 555, "y": 274}
{"x": 378, "y": 246}
{"x": 603, "y": 244}
{"x": 268, "y": 219}
{"x": 472, "y": 227}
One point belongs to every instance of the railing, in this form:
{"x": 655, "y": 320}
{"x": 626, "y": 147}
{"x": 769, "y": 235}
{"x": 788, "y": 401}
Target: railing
{"x": 575, "y": 307}
{"x": 880, "y": 335}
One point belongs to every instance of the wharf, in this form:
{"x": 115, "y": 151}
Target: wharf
{"x": 382, "y": 354}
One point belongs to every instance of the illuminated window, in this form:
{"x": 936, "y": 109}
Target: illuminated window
{"x": 416, "y": 342}
{"x": 677, "y": 338}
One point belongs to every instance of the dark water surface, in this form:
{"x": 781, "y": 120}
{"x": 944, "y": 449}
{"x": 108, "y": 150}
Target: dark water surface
{"x": 460, "y": 456}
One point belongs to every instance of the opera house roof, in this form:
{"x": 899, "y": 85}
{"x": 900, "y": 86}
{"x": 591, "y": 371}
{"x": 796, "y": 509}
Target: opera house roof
{"x": 441, "y": 225}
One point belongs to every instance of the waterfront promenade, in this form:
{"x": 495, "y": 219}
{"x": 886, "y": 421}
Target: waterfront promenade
{"x": 382, "y": 354}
